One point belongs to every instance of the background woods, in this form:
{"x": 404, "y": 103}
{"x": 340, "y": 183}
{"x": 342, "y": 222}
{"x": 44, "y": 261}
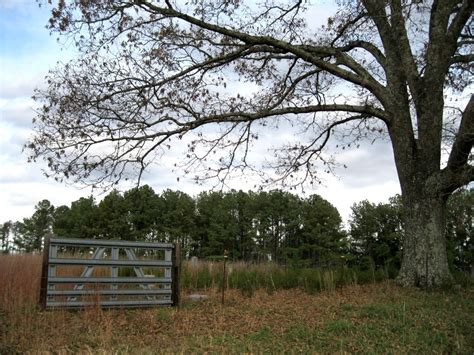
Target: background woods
{"x": 251, "y": 226}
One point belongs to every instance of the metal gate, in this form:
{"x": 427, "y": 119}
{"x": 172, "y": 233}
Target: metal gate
{"x": 79, "y": 273}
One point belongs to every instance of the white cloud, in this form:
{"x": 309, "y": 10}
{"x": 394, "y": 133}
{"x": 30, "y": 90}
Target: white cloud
{"x": 369, "y": 164}
{"x": 343, "y": 195}
{"x": 22, "y": 86}
{"x": 18, "y": 200}
{"x": 17, "y": 112}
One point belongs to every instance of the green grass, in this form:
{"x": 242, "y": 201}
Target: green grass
{"x": 415, "y": 321}
{"x": 249, "y": 277}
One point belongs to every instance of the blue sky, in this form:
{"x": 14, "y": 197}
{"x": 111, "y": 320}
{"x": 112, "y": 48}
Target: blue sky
{"x": 21, "y": 27}
{"x": 27, "y": 51}
{"x": 25, "y": 42}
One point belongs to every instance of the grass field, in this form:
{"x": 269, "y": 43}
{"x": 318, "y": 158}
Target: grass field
{"x": 370, "y": 318}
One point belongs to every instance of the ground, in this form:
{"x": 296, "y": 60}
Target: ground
{"x": 374, "y": 318}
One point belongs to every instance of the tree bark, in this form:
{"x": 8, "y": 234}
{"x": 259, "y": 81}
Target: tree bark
{"x": 424, "y": 262}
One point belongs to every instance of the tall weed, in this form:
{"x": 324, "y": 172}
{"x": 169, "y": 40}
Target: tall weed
{"x": 248, "y": 277}
{"x": 20, "y": 277}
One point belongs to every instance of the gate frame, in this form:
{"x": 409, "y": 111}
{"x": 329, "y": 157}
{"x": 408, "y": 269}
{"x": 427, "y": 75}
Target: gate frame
{"x": 48, "y": 271}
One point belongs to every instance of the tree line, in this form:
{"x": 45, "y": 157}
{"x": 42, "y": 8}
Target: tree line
{"x": 251, "y": 226}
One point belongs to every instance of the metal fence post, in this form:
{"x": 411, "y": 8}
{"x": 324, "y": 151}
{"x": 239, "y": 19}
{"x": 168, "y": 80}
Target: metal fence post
{"x": 176, "y": 275}
{"x": 115, "y": 271}
{"x": 44, "y": 273}
{"x": 224, "y": 278}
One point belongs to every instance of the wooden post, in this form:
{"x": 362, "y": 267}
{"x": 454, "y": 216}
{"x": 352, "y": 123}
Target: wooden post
{"x": 176, "y": 275}
{"x": 44, "y": 273}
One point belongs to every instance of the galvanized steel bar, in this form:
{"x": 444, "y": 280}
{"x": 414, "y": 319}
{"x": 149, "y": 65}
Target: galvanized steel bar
{"x": 109, "y": 280}
{"x": 115, "y": 257}
{"x": 82, "y": 304}
{"x": 110, "y": 262}
{"x": 127, "y": 292}
{"x": 109, "y": 243}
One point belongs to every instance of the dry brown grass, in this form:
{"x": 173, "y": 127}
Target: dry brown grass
{"x": 370, "y": 318}
{"x": 20, "y": 277}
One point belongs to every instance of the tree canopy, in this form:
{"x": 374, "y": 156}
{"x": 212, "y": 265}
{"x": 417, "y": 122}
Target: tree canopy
{"x": 251, "y": 226}
{"x": 30, "y": 233}
{"x": 376, "y": 232}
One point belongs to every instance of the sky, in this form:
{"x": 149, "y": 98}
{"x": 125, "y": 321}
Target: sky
{"x": 27, "y": 51}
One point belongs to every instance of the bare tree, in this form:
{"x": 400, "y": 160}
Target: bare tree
{"x": 152, "y": 73}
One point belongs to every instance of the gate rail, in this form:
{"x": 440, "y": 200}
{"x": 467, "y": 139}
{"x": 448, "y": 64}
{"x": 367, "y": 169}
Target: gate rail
{"x": 60, "y": 289}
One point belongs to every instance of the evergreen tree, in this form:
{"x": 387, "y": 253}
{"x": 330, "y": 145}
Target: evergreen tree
{"x": 244, "y": 212}
{"x": 376, "y": 232}
{"x": 29, "y": 234}
{"x": 4, "y": 237}
{"x": 322, "y": 239}
{"x": 144, "y": 211}
{"x": 177, "y": 219}
{"x": 216, "y": 224}
{"x": 81, "y": 220}
{"x": 460, "y": 230}
{"x": 113, "y": 217}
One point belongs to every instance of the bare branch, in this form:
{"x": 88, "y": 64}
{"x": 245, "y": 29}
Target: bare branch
{"x": 369, "y": 47}
{"x": 467, "y": 58}
{"x": 464, "y": 139}
{"x": 315, "y": 55}
{"x": 153, "y": 73}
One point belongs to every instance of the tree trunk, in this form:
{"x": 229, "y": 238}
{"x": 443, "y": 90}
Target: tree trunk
{"x": 424, "y": 262}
